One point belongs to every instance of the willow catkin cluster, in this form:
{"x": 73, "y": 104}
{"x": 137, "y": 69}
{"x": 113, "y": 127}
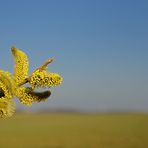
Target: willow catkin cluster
{"x": 11, "y": 84}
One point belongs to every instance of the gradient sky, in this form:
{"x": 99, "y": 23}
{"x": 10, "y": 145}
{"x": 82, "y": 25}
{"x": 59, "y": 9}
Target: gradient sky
{"x": 100, "y": 48}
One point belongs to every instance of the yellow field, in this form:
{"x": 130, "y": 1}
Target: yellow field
{"x": 55, "y": 130}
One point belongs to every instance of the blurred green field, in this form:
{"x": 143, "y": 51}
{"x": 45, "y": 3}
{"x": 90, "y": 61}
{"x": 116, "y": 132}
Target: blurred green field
{"x": 71, "y": 130}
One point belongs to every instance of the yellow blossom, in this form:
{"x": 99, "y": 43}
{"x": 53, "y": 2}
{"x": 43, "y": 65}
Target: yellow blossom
{"x": 21, "y": 65}
{"x": 24, "y": 97}
{"x": 42, "y": 78}
{"x": 27, "y": 96}
{"x": 7, "y": 107}
{"x": 6, "y": 84}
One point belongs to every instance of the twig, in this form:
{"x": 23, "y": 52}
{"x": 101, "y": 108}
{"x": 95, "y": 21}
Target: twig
{"x": 45, "y": 64}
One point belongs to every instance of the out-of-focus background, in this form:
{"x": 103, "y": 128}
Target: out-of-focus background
{"x": 100, "y": 48}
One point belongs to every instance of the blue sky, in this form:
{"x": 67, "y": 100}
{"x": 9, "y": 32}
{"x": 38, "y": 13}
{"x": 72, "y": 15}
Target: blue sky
{"x": 100, "y": 48}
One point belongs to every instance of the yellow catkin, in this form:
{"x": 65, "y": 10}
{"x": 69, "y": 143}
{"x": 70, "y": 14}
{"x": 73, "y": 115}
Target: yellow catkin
{"x": 6, "y": 85}
{"x": 42, "y": 78}
{"x": 39, "y": 96}
{"x": 21, "y": 65}
{"x": 5, "y": 92}
{"x": 24, "y": 97}
{"x": 27, "y": 95}
{"x": 7, "y": 79}
{"x": 7, "y": 107}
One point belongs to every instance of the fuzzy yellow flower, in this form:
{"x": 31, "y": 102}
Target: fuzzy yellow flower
{"x": 27, "y": 95}
{"x": 42, "y": 78}
{"x": 7, "y": 107}
{"x": 6, "y": 84}
{"x": 21, "y": 65}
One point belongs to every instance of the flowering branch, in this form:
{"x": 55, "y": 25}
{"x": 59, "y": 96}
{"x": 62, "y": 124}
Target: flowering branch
{"x": 11, "y": 85}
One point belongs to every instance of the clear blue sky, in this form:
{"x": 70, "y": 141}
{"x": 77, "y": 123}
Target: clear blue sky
{"x": 100, "y": 47}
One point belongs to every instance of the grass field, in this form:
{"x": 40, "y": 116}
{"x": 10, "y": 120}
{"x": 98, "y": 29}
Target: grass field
{"x": 65, "y": 130}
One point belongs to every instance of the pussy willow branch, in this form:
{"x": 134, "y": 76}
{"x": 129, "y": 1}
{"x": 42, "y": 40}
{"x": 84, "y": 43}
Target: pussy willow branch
{"x": 42, "y": 67}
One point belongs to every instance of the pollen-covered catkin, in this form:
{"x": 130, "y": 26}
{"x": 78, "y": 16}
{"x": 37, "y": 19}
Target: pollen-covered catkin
{"x": 6, "y": 78}
{"x": 42, "y": 78}
{"x": 6, "y": 84}
{"x": 7, "y": 107}
{"x": 27, "y": 95}
{"x": 21, "y": 65}
{"x": 23, "y": 96}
